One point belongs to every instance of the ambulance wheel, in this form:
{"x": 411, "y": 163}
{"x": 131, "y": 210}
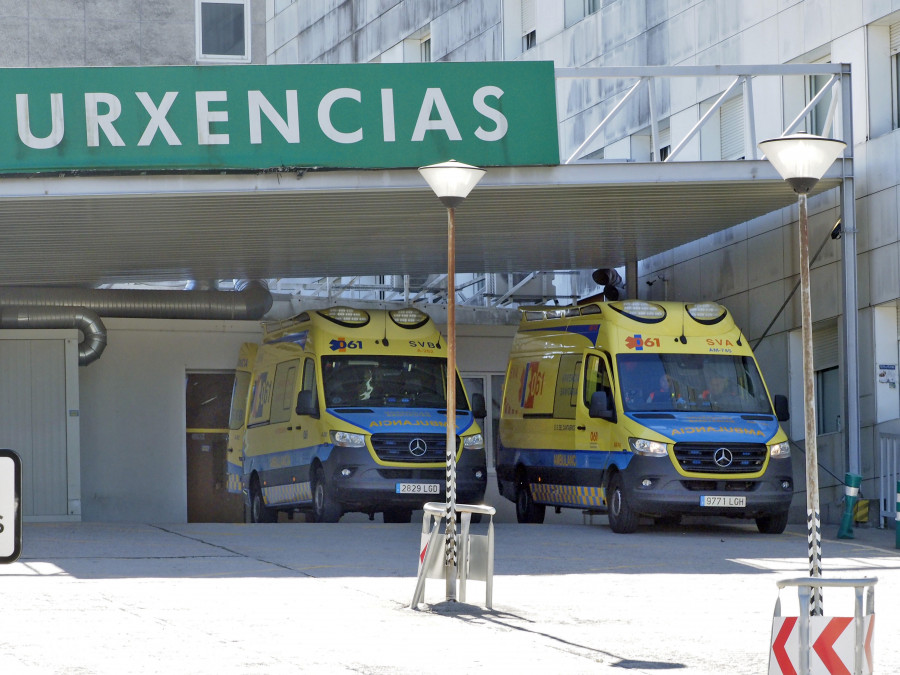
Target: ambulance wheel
{"x": 325, "y": 508}
{"x": 259, "y": 512}
{"x": 773, "y": 524}
{"x": 526, "y": 510}
{"x": 397, "y": 515}
{"x": 622, "y": 518}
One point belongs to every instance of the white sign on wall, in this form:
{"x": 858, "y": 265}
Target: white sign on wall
{"x": 10, "y": 506}
{"x": 887, "y": 374}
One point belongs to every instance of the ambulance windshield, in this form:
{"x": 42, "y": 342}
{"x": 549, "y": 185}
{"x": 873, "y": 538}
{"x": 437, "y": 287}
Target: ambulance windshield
{"x": 372, "y": 381}
{"x": 692, "y": 382}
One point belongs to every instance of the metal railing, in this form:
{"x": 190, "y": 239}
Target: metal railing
{"x": 889, "y": 476}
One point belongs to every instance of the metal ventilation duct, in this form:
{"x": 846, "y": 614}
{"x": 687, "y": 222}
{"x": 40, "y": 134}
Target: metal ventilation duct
{"x": 52, "y": 307}
{"x": 85, "y": 320}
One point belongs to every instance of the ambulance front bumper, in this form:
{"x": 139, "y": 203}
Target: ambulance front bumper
{"x": 653, "y": 487}
{"x": 361, "y": 484}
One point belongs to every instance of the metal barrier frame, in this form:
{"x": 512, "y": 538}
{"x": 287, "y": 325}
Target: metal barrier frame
{"x": 475, "y": 561}
{"x": 805, "y": 587}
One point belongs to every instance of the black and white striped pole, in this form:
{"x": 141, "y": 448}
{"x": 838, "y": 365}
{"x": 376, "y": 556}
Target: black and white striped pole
{"x": 802, "y": 159}
{"x": 452, "y": 182}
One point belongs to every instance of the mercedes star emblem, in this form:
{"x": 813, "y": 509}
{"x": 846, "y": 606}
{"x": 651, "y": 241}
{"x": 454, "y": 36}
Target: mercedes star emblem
{"x": 417, "y": 447}
{"x": 723, "y": 458}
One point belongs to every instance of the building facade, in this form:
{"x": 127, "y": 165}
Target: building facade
{"x": 132, "y": 463}
{"x": 753, "y": 267}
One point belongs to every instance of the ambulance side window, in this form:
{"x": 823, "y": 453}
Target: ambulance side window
{"x": 566, "y": 395}
{"x": 308, "y": 401}
{"x": 260, "y": 399}
{"x": 596, "y": 378}
{"x": 283, "y": 391}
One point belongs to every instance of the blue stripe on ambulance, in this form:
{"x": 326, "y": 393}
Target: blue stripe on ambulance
{"x": 550, "y": 492}
{"x": 287, "y": 492}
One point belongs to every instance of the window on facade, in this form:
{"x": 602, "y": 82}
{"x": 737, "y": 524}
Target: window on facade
{"x": 731, "y": 128}
{"x": 663, "y": 143}
{"x": 425, "y": 50}
{"x": 576, "y": 10}
{"x": 529, "y": 25}
{"x": 828, "y": 400}
{"x": 223, "y": 30}
{"x": 895, "y": 70}
{"x": 829, "y": 389}
{"x": 819, "y": 114}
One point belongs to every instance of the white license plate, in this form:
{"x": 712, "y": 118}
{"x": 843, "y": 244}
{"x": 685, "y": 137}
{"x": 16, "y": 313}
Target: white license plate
{"x": 418, "y": 488}
{"x": 715, "y": 500}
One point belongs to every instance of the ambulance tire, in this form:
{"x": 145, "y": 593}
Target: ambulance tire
{"x": 772, "y": 524}
{"x": 622, "y": 518}
{"x": 325, "y": 508}
{"x": 259, "y": 512}
{"x": 526, "y": 510}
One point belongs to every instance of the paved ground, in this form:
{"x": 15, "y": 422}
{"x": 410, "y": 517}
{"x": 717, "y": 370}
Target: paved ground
{"x": 309, "y": 598}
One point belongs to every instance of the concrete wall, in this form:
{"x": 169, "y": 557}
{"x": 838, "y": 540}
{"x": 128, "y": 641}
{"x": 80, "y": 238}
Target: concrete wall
{"x": 70, "y": 33}
{"x": 133, "y": 462}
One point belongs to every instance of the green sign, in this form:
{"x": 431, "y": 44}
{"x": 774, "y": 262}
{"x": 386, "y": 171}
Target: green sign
{"x": 265, "y": 117}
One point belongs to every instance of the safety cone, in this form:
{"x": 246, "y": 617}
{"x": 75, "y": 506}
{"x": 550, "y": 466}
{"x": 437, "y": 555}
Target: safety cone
{"x": 851, "y": 494}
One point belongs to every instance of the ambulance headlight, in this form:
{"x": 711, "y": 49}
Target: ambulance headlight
{"x": 780, "y": 450}
{"x": 474, "y": 442}
{"x": 346, "y": 439}
{"x": 641, "y": 446}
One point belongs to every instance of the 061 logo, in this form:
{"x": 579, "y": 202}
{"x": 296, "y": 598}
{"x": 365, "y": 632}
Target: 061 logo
{"x": 342, "y": 345}
{"x": 638, "y": 342}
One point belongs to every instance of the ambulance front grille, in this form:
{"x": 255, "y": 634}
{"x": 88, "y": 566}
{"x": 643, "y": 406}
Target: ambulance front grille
{"x": 721, "y": 458}
{"x": 410, "y": 448}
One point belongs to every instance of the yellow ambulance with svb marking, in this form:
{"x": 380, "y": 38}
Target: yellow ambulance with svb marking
{"x": 641, "y": 409}
{"x": 344, "y": 409}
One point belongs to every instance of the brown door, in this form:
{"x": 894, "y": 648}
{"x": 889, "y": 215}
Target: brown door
{"x": 208, "y": 399}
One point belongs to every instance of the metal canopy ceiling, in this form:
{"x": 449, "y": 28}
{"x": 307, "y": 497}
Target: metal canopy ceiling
{"x": 103, "y": 229}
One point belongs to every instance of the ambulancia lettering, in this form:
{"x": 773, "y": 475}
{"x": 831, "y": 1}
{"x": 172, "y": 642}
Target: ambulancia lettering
{"x": 712, "y": 430}
{"x": 407, "y": 423}
{"x": 564, "y": 460}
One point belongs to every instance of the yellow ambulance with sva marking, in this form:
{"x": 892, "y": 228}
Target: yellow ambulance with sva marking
{"x": 641, "y": 409}
{"x": 345, "y": 409}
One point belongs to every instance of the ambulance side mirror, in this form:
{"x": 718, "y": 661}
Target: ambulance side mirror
{"x": 479, "y": 409}
{"x": 782, "y": 410}
{"x": 601, "y": 406}
{"x": 306, "y": 403}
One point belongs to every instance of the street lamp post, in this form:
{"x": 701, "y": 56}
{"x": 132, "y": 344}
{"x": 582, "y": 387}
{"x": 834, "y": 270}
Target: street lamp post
{"x": 452, "y": 182}
{"x": 802, "y": 159}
